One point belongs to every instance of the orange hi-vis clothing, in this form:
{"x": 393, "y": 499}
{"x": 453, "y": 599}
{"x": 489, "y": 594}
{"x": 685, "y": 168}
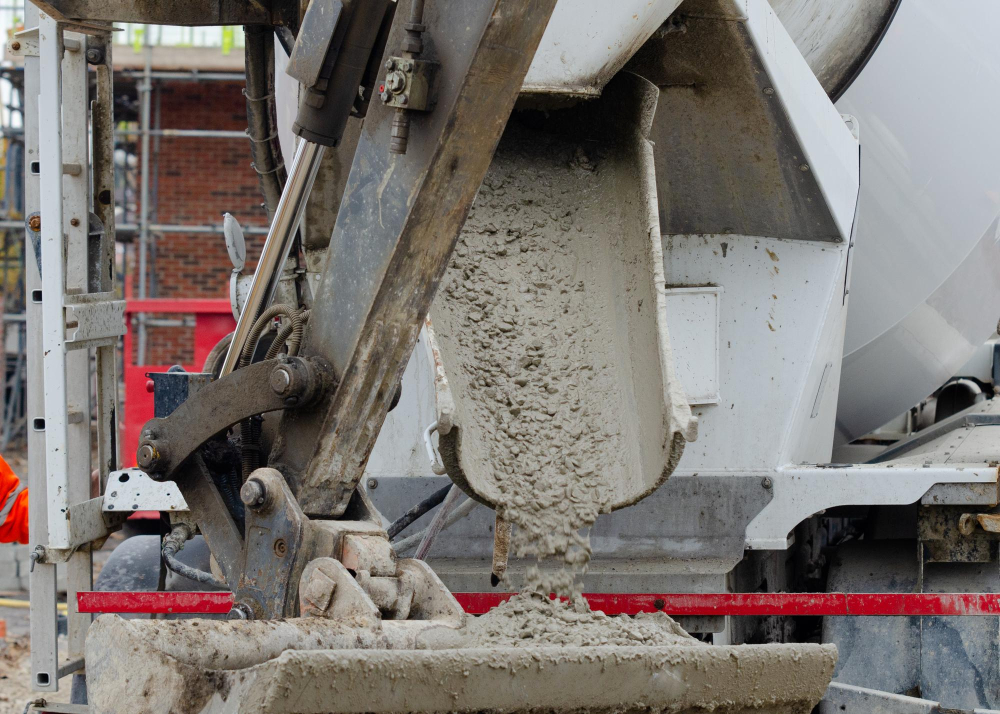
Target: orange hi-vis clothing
{"x": 13, "y": 506}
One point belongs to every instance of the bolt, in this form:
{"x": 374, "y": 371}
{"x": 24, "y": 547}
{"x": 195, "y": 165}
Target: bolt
{"x": 281, "y": 380}
{"x": 404, "y": 99}
{"x": 146, "y": 456}
{"x": 804, "y": 167}
{"x": 253, "y": 493}
{"x": 74, "y": 222}
{"x": 390, "y": 64}
{"x": 35, "y": 223}
{"x": 384, "y": 96}
{"x": 769, "y": 90}
{"x": 94, "y": 55}
{"x": 406, "y": 66}
{"x": 659, "y": 603}
{"x": 280, "y": 548}
{"x": 767, "y": 483}
{"x": 15, "y": 46}
{"x": 395, "y": 82}
{"x": 373, "y": 483}
{"x": 240, "y": 611}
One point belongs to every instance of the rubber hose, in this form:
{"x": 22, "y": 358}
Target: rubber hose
{"x": 258, "y": 327}
{"x": 262, "y": 122}
{"x": 250, "y": 429}
{"x": 250, "y": 445}
{"x": 229, "y": 484}
{"x": 400, "y": 524}
{"x": 290, "y": 333}
{"x": 174, "y": 543}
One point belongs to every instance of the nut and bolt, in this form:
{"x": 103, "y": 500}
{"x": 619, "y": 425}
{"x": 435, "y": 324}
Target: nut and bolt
{"x": 254, "y": 493}
{"x": 384, "y": 96}
{"x": 280, "y": 548}
{"x": 240, "y": 611}
{"x": 94, "y": 55}
{"x": 281, "y": 380}
{"x": 395, "y": 82}
{"x": 373, "y": 483}
{"x": 147, "y": 457}
{"x": 390, "y": 64}
{"x": 15, "y": 46}
{"x": 35, "y": 223}
{"x": 769, "y": 90}
{"x": 74, "y": 222}
{"x": 767, "y": 483}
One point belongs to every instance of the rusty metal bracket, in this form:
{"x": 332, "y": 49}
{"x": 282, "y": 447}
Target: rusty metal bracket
{"x": 989, "y": 522}
{"x": 275, "y": 526}
{"x": 283, "y": 383}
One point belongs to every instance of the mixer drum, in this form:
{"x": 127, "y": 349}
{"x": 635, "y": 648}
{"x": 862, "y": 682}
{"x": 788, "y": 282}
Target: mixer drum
{"x": 925, "y": 291}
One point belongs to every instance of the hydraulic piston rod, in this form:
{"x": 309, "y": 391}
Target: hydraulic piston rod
{"x": 286, "y": 221}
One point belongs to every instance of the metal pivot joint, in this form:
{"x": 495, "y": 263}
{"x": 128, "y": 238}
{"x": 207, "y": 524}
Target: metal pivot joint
{"x": 167, "y": 442}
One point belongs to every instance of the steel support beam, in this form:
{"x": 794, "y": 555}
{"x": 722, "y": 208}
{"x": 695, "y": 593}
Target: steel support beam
{"x": 395, "y": 231}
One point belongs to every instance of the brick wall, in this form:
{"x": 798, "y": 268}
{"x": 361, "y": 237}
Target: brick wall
{"x": 199, "y": 180}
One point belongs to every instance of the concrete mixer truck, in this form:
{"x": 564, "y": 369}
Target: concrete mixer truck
{"x": 696, "y": 294}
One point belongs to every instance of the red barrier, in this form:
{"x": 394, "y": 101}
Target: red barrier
{"x": 737, "y": 604}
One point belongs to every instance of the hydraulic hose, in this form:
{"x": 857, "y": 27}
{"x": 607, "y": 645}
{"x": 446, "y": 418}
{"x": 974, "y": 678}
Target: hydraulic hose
{"x": 400, "y": 524}
{"x": 173, "y": 543}
{"x": 265, "y": 318}
{"x": 262, "y": 123}
{"x": 291, "y": 333}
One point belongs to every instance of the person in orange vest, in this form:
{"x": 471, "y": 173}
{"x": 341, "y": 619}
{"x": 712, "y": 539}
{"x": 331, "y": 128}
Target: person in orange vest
{"x": 13, "y": 506}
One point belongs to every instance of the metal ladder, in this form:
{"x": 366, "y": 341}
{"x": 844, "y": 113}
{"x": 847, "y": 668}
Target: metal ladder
{"x": 72, "y": 313}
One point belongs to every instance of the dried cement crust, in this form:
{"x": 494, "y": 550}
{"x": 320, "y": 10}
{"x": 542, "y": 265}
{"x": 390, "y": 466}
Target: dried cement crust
{"x": 127, "y": 672}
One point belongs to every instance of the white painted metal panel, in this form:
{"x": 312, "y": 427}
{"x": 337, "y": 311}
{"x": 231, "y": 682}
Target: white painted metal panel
{"x": 588, "y": 41}
{"x": 830, "y": 149}
{"x": 53, "y": 281}
{"x": 693, "y": 323}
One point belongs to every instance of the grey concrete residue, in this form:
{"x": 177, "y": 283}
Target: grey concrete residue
{"x": 534, "y": 620}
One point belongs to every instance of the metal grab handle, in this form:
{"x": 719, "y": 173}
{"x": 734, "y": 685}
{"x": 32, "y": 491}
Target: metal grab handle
{"x": 437, "y": 465}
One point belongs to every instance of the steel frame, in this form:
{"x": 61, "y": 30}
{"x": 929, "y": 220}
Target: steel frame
{"x": 74, "y": 278}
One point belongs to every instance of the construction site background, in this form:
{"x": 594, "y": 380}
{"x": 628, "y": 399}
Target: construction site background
{"x": 199, "y": 166}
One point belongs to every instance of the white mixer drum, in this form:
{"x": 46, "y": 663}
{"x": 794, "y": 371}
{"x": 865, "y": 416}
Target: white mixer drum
{"x": 925, "y": 284}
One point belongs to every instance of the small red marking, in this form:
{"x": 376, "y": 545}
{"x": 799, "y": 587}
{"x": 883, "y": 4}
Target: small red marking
{"x": 381, "y": 88}
{"x": 150, "y": 386}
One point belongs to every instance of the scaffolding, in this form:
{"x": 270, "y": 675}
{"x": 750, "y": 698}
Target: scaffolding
{"x": 137, "y": 150}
